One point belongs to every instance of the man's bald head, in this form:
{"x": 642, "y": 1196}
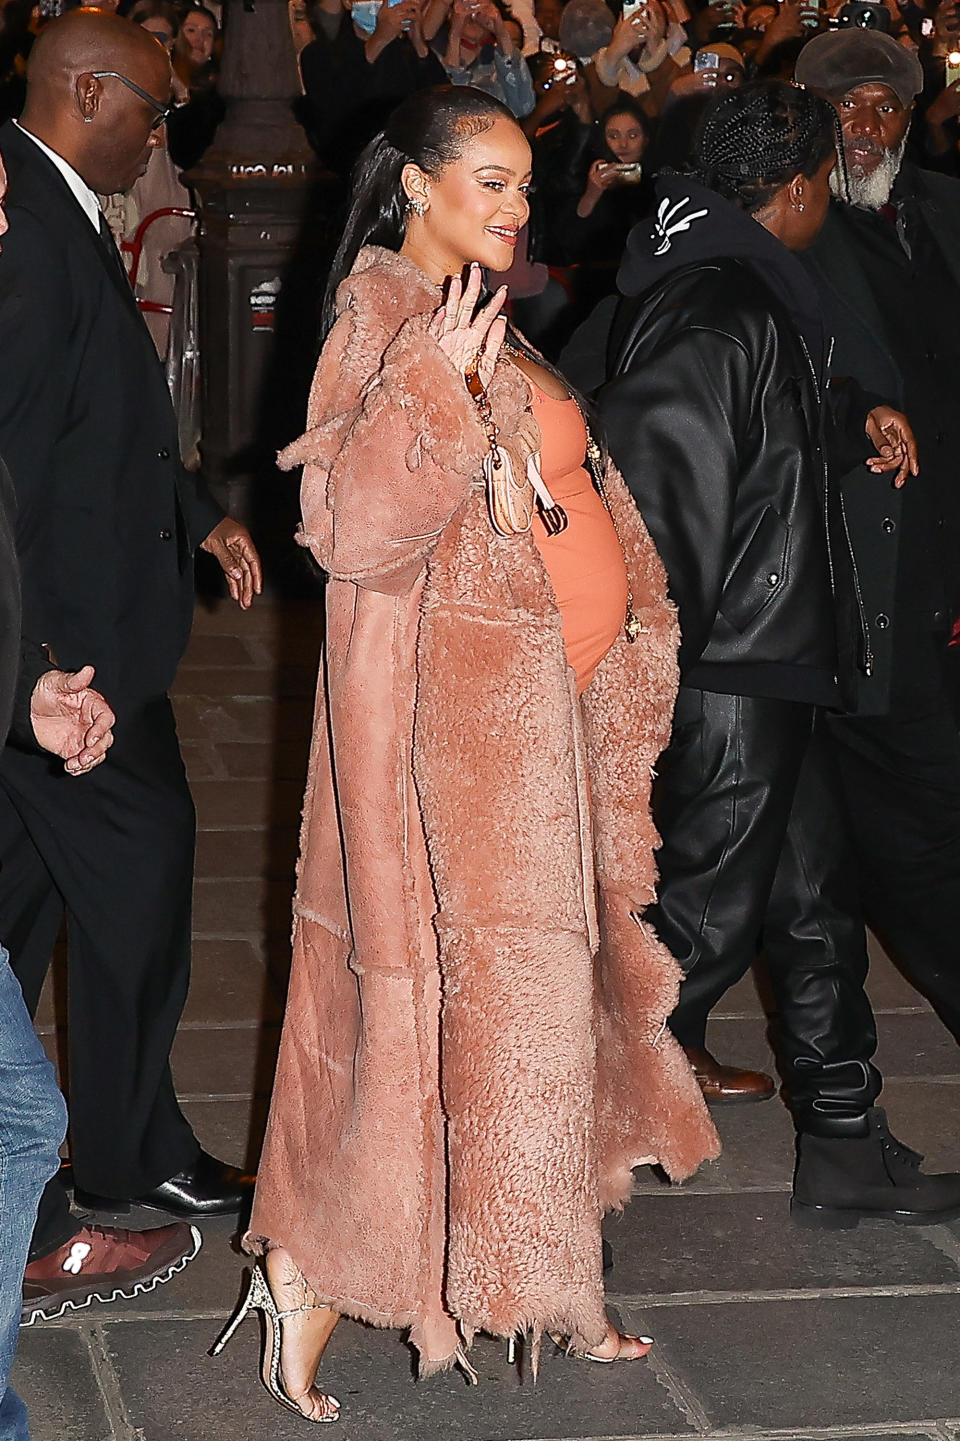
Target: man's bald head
{"x": 83, "y": 41}
{"x": 83, "y": 79}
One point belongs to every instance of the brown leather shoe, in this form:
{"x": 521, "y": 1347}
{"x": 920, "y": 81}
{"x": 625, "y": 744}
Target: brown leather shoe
{"x": 104, "y": 1263}
{"x": 727, "y": 1083}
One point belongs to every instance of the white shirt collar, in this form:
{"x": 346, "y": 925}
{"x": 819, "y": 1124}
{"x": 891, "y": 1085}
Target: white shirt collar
{"x": 82, "y": 193}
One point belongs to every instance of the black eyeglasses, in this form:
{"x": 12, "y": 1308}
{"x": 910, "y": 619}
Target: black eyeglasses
{"x": 163, "y": 111}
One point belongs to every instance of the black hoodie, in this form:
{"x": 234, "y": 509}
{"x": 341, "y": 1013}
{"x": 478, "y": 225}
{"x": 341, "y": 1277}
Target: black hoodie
{"x": 692, "y": 223}
{"x": 714, "y": 411}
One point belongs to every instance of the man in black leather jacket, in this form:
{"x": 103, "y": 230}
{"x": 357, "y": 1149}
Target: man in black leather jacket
{"x": 717, "y": 413}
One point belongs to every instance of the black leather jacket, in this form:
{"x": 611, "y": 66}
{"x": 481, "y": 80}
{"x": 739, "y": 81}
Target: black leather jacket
{"x": 718, "y": 419}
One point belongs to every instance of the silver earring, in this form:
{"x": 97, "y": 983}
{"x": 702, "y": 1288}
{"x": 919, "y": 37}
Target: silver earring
{"x": 800, "y": 206}
{"x": 417, "y": 206}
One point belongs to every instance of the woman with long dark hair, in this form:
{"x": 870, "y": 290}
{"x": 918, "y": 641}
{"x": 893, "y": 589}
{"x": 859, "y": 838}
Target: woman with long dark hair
{"x": 474, "y": 1052}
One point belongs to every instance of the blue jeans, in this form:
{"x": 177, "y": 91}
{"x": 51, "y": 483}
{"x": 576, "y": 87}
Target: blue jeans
{"x": 33, "y": 1122}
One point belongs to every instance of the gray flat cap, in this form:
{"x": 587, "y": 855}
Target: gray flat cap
{"x": 840, "y": 60}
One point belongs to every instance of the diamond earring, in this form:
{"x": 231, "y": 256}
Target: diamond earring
{"x": 417, "y": 206}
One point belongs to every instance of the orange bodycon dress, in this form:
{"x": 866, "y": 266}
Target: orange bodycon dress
{"x": 584, "y": 562}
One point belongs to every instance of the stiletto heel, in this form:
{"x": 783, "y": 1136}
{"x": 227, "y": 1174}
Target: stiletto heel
{"x": 259, "y": 1297}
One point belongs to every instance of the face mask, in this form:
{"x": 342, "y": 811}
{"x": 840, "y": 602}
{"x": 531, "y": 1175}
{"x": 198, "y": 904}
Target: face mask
{"x": 364, "y": 14}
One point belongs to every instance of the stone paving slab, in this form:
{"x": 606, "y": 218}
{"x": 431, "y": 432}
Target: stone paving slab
{"x": 241, "y": 907}
{"x": 814, "y": 1362}
{"x": 54, "y": 1375}
{"x": 230, "y": 984}
{"x": 231, "y": 1130}
{"x": 233, "y": 1061}
{"x": 738, "y": 1243}
{"x": 253, "y": 854}
{"x": 370, "y": 1372}
{"x": 758, "y": 1153}
{"x": 916, "y": 1045}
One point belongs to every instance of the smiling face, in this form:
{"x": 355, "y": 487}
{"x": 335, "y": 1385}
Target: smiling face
{"x": 625, "y": 138}
{"x": 475, "y": 207}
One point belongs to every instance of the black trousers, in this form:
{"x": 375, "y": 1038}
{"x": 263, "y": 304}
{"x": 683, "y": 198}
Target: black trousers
{"x": 114, "y": 851}
{"x": 900, "y": 786}
{"x": 754, "y": 853}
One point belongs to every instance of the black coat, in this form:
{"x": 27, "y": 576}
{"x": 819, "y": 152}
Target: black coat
{"x": 22, "y": 662}
{"x": 716, "y": 420}
{"x": 861, "y": 350}
{"x": 108, "y": 518}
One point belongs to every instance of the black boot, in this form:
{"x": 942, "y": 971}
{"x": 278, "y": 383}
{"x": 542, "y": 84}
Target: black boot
{"x": 842, "y": 1179}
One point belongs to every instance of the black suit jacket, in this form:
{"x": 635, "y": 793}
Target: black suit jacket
{"x": 22, "y": 662}
{"x": 108, "y": 518}
{"x": 861, "y": 351}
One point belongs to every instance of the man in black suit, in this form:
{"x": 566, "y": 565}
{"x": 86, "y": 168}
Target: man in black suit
{"x": 108, "y": 523}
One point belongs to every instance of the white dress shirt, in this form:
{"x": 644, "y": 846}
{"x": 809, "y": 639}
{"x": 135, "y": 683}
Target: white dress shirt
{"x": 82, "y": 193}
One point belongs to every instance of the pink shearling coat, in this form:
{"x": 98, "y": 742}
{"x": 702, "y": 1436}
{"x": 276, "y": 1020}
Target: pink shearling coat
{"x": 475, "y": 1051}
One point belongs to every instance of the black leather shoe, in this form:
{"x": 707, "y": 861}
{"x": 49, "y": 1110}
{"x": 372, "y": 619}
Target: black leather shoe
{"x": 208, "y": 1188}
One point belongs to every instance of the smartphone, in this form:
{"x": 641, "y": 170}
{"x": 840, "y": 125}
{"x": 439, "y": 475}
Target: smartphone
{"x": 705, "y": 60}
{"x": 810, "y": 14}
{"x": 927, "y": 27}
{"x": 633, "y": 7}
{"x": 951, "y": 71}
{"x": 630, "y": 172}
{"x": 364, "y": 15}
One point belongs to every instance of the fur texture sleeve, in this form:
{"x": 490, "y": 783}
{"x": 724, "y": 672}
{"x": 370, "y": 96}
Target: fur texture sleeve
{"x": 390, "y": 455}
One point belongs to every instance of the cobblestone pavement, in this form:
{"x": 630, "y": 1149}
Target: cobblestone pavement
{"x": 762, "y": 1330}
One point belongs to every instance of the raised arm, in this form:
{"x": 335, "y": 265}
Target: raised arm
{"x": 395, "y": 455}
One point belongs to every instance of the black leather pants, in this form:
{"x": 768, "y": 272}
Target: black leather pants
{"x": 754, "y": 853}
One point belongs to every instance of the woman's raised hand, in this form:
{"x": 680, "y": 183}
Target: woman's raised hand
{"x": 471, "y": 337}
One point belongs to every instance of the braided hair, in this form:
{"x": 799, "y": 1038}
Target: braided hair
{"x": 753, "y": 141}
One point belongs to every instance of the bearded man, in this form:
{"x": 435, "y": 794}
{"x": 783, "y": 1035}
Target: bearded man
{"x": 888, "y": 260}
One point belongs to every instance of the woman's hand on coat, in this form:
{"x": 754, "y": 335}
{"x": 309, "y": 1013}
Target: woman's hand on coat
{"x": 469, "y": 336}
{"x": 896, "y": 444}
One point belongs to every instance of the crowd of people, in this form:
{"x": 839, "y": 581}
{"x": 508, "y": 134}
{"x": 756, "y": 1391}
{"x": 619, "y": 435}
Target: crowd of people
{"x": 637, "y": 652}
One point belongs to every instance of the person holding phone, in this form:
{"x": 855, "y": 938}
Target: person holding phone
{"x": 377, "y": 57}
{"x": 647, "y": 51}
{"x": 483, "y": 50}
